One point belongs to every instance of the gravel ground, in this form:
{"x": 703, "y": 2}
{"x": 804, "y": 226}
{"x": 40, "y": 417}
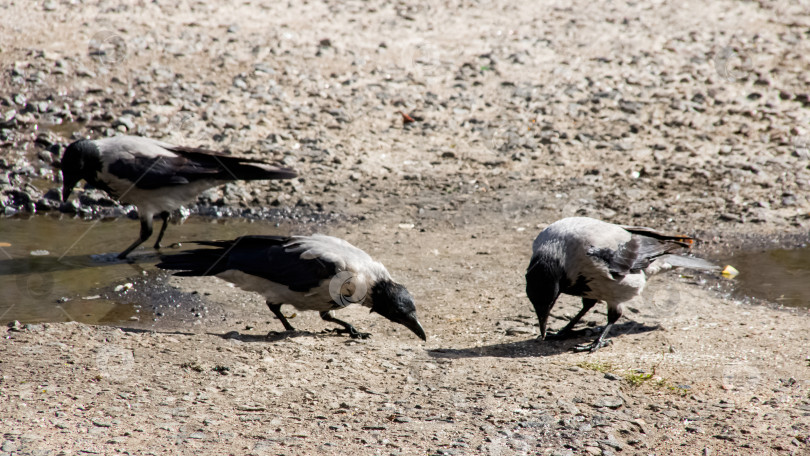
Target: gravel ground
{"x": 686, "y": 116}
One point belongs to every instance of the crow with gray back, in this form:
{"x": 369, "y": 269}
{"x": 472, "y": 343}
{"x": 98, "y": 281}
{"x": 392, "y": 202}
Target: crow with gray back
{"x": 598, "y": 261}
{"x": 154, "y": 176}
{"x": 318, "y": 272}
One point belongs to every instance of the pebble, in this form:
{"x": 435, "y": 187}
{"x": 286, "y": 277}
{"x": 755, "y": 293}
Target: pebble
{"x": 520, "y": 330}
{"x": 126, "y": 121}
{"x": 251, "y": 408}
{"x": 612, "y": 402}
{"x": 567, "y": 407}
{"x": 124, "y": 287}
{"x": 6, "y": 117}
{"x": 612, "y": 444}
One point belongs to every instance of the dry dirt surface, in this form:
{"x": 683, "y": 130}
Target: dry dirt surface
{"x": 687, "y": 116}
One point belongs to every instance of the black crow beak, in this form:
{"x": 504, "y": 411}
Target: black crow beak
{"x": 68, "y": 183}
{"x": 543, "y": 325}
{"x": 412, "y": 323}
{"x": 66, "y": 189}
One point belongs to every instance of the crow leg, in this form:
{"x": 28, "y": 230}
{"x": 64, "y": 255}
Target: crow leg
{"x": 347, "y": 328}
{"x": 165, "y": 216}
{"x": 276, "y": 309}
{"x": 146, "y": 231}
{"x": 566, "y": 332}
{"x": 614, "y": 313}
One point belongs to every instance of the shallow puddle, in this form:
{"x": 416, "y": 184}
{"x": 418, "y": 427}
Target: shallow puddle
{"x": 54, "y": 269}
{"x": 65, "y": 269}
{"x": 781, "y": 276}
{"x": 66, "y": 129}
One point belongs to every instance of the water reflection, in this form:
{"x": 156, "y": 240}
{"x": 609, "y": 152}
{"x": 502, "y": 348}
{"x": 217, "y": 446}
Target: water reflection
{"x": 54, "y": 269}
{"x": 781, "y": 276}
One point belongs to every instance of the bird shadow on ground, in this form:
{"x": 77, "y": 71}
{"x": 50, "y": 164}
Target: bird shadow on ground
{"x": 144, "y": 331}
{"x": 536, "y": 348}
{"x": 274, "y": 336}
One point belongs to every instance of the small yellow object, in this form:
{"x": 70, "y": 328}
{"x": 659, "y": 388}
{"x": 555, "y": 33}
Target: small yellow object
{"x": 5, "y": 244}
{"x": 730, "y": 272}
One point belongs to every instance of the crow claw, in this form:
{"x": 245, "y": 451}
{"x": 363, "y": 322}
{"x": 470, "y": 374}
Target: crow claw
{"x": 593, "y": 347}
{"x": 352, "y": 332}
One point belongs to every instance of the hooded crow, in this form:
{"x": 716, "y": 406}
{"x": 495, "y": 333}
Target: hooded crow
{"x": 154, "y": 176}
{"x": 315, "y": 272}
{"x": 598, "y": 261}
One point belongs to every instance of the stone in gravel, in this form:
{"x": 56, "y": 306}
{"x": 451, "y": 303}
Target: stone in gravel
{"x": 69, "y": 207}
{"x": 670, "y": 413}
{"x": 567, "y": 407}
{"x": 53, "y": 194}
{"x": 519, "y": 330}
{"x": 611, "y": 443}
{"x": 29, "y": 438}
{"x": 125, "y": 121}
{"x": 611, "y": 376}
{"x": 729, "y": 217}
{"x": 44, "y": 205}
{"x": 613, "y": 402}
{"x": 251, "y": 408}
{"x": 374, "y": 428}
{"x": 102, "y": 423}
{"x": 7, "y": 117}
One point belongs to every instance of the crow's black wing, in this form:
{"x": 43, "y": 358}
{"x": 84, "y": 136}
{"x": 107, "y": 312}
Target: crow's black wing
{"x": 149, "y": 172}
{"x": 233, "y": 168}
{"x": 682, "y": 239}
{"x": 153, "y": 164}
{"x": 635, "y": 254}
{"x": 260, "y": 256}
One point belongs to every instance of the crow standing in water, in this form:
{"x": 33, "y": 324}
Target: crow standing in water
{"x": 598, "y": 261}
{"x": 315, "y": 272}
{"x": 155, "y": 176}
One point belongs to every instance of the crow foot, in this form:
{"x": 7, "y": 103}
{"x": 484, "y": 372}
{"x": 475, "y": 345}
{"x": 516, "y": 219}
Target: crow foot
{"x": 596, "y": 345}
{"x": 352, "y": 332}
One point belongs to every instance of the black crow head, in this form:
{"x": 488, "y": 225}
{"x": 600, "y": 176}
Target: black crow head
{"x": 81, "y": 160}
{"x": 543, "y": 287}
{"x": 392, "y": 301}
